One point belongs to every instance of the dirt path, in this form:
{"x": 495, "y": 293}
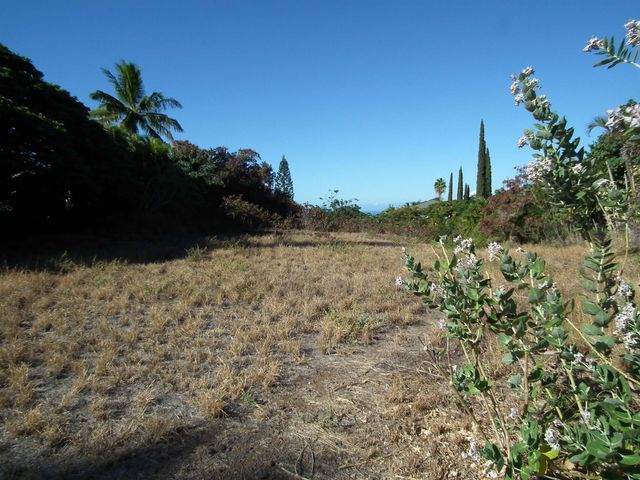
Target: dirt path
{"x": 363, "y": 412}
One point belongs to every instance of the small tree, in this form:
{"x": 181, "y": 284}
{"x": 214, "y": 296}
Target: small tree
{"x": 439, "y": 186}
{"x": 450, "y": 197}
{"x": 284, "y": 184}
{"x": 482, "y": 157}
{"x": 488, "y": 191}
{"x": 466, "y": 192}
{"x": 460, "y": 192}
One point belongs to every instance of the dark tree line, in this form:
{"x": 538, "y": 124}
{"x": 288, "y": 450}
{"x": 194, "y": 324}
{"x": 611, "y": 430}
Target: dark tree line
{"x": 62, "y": 170}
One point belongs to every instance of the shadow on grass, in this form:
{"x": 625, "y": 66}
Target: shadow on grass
{"x": 239, "y": 451}
{"x": 61, "y": 253}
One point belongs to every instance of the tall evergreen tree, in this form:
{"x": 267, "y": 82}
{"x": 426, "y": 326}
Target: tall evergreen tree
{"x": 460, "y": 192}
{"x": 450, "y": 197}
{"x": 482, "y": 156}
{"x": 488, "y": 191}
{"x": 284, "y": 184}
{"x": 466, "y": 191}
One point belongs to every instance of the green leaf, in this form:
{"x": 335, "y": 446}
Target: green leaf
{"x": 591, "y": 308}
{"x": 536, "y": 295}
{"x": 592, "y": 330}
{"x": 508, "y": 359}
{"x": 515, "y": 380}
{"x": 602, "y": 319}
{"x": 632, "y": 459}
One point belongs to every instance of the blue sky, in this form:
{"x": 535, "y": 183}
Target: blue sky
{"x": 374, "y": 98}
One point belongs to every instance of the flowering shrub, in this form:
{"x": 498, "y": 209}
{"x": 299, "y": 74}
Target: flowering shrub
{"x": 577, "y": 413}
{"x": 576, "y": 183}
{"x": 578, "y": 409}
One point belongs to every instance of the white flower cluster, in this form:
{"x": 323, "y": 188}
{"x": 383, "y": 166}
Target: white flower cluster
{"x": 581, "y": 360}
{"x": 543, "y": 101}
{"x": 527, "y": 82}
{"x": 515, "y": 85}
{"x": 463, "y": 250}
{"x": 436, "y": 288}
{"x": 631, "y": 341}
{"x": 537, "y": 170}
{"x": 463, "y": 245}
{"x": 551, "y": 437}
{"x": 624, "y": 321}
{"x": 604, "y": 183}
{"x": 633, "y": 33}
{"x": 442, "y": 324}
{"x": 624, "y": 317}
{"x": 469, "y": 261}
{"x": 578, "y": 168}
{"x": 494, "y": 249}
{"x": 522, "y": 141}
{"x": 624, "y": 289}
{"x": 623, "y": 117}
{"x": 548, "y": 283}
{"x": 399, "y": 282}
{"x": 500, "y": 291}
{"x": 593, "y": 44}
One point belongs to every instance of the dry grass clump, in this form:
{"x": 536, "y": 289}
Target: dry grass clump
{"x": 105, "y": 356}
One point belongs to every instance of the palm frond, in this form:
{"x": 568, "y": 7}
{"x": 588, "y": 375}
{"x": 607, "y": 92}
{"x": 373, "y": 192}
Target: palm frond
{"x": 107, "y": 101}
{"x": 131, "y": 87}
{"x": 111, "y": 77}
{"x": 599, "y": 121}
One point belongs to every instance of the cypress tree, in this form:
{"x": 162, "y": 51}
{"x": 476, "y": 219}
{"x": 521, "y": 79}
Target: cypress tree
{"x": 488, "y": 191}
{"x": 466, "y": 191}
{"x": 450, "y": 197}
{"x": 482, "y": 156}
{"x": 284, "y": 184}
{"x": 460, "y": 185}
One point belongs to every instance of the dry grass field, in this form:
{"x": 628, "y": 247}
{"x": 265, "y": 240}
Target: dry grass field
{"x": 277, "y": 356}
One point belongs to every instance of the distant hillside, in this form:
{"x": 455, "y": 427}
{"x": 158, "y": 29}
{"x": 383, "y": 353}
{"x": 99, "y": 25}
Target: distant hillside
{"x": 426, "y": 203}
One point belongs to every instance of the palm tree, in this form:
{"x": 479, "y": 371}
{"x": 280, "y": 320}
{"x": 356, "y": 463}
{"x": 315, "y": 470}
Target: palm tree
{"x": 131, "y": 108}
{"x": 599, "y": 121}
{"x": 440, "y": 186}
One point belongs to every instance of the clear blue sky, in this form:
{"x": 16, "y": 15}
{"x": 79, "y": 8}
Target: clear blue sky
{"x": 374, "y": 98}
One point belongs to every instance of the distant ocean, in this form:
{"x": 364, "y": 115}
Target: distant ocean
{"x": 376, "y": 209}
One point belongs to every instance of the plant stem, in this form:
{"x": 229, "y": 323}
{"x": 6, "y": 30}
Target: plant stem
{"x": 600, "y": 356}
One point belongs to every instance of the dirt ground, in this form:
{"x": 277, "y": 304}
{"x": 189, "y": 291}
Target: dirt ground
{"x": 362, "y": 412}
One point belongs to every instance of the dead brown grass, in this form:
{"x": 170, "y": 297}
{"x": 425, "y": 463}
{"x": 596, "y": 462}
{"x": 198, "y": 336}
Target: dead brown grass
{"x": 103, "y": 359}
